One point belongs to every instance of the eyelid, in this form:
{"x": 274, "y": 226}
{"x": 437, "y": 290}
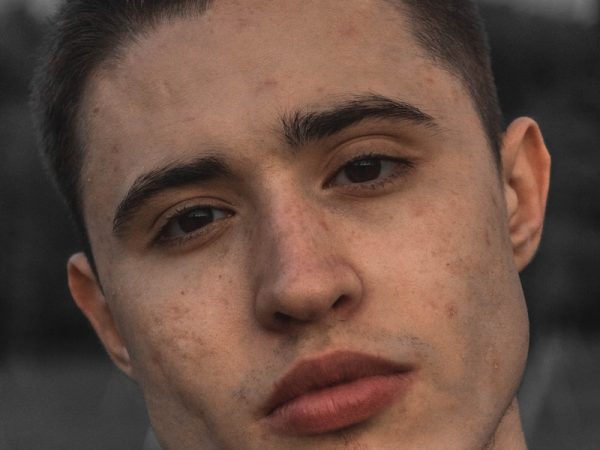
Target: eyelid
{"x": 180, "y": 209}
{"x": 406, "y": 163}
{"x": 176, "y": 207}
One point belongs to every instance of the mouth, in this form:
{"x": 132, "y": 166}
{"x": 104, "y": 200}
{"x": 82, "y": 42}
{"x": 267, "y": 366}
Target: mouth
{"x": 333, "y": 392}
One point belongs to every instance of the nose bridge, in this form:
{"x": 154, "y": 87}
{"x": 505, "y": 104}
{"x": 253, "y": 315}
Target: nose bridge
{"x": 297, "y": 228}
{"x": 297, "y": 231}
{"x": 302, "y": 271}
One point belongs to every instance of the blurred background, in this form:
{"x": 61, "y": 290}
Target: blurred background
{"x": 58, "y": 390}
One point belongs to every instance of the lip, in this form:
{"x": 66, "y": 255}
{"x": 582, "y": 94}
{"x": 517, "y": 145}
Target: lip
{"x": 333, "y": 392}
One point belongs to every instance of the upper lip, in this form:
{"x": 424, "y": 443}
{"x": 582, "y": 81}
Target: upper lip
{"x": 328, "y": 370}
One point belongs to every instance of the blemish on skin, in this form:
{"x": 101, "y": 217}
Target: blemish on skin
{"x": 242, "y": 23}
{"x": 188, "y": 119}
{"x": 451, "y": 311}
{"x": 418, "y": 211}
{"x": 176, "y": 312}
{"x": 267, "y": 84}
{"x": 96, "y": 110}
{"x": 488, "y": 239}
{"x": 432, "y": 305}
{"x": 182, "y": 293}
{"x": 348, "y": 31}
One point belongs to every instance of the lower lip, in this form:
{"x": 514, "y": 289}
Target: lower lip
{"x": 339, "y": 406}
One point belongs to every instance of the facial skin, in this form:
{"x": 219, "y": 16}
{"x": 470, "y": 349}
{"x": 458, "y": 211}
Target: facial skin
{"x": 418, "y": 265}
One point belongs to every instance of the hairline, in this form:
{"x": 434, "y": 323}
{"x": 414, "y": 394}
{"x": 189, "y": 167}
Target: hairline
{"x": 149, "y": 25}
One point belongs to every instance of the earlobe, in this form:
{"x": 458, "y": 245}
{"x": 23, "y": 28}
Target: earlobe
{"x": 90, "y": 299}
{"x": 526, "y": 169}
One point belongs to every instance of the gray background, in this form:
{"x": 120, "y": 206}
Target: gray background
{"x": 59, "y": 391}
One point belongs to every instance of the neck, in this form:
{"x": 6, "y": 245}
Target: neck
{"x": 509, "y": 434}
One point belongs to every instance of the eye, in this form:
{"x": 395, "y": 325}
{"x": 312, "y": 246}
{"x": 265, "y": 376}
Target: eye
{"x": 190, "y": 221}
{"x": 368, "y": 170}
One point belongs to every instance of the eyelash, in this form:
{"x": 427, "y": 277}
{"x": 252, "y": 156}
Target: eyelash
{"x": 160, "y": 240}
{"x": 402, "y": 166}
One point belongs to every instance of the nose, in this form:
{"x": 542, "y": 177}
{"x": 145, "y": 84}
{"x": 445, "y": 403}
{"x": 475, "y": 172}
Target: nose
{"x": 304, "y": 272}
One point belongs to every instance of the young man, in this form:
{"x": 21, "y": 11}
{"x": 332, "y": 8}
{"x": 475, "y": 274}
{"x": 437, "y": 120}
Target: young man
{"x": 305, "y": 227}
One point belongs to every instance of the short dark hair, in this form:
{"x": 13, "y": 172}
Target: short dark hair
{"x": 453, "y": 34}
{"x": 86, "y": 33}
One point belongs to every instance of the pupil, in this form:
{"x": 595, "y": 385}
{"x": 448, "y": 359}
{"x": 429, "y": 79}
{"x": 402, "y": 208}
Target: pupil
{"x": 363, "y": 170}
{"x": 195, "y": 219}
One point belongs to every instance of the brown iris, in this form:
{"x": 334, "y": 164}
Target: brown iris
{"x": 363, "y": 170}
{"x": 195, "y": 219}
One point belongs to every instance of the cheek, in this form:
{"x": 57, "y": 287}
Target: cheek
{"x": 182, "y": 334}
{"x": 446, "y": 275}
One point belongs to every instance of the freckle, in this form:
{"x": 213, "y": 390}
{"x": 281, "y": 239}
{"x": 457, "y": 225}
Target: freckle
{"x": 96, "y": 110}
{"x": 348, "y": 31}
{"x": 155, "y": 359}
{"x": 419, "y": 211}
{"x": 451, "y": 311}
{"x": 182, "y": 292}
{"x": 432, "y": 305}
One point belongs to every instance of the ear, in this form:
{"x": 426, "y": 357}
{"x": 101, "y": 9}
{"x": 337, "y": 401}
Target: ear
{"x": 526, "y": 168}
{"x": 88, "y": 296}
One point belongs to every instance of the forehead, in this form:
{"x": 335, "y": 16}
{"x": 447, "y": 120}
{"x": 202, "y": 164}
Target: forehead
{"x": 242, "y": 56}
{"x": 227, "y": 76}
{"x": 236, "y": 45}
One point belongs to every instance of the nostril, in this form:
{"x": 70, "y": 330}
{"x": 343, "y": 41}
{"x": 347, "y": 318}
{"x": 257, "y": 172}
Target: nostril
{"x": 341, "y": 302}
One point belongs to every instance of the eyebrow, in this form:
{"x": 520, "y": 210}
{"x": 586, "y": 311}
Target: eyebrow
{"x": 298, "y": 129}
{"x": 301, "y": 128}
{"x": 174, "y": 175}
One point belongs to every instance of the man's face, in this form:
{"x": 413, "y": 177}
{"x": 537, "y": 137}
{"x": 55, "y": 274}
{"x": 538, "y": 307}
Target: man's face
{"x": 267, "y": 229}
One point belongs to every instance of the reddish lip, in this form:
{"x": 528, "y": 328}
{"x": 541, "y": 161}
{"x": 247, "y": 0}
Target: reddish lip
{"x": 333, "y": 392}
